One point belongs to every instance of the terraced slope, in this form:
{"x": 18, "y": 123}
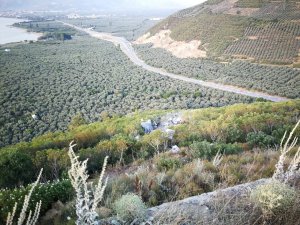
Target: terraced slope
{"x": 263, "y": 31}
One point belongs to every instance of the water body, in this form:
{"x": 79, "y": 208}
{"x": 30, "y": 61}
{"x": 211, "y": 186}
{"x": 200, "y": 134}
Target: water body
{"x": 11, "y": 34}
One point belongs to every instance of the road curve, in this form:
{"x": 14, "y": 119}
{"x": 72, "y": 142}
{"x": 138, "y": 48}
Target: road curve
{"x": 127, "y": 49}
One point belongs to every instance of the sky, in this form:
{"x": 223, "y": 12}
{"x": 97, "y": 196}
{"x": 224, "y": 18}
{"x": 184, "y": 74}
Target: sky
{"x": 166, "y": 3}
{"x": 133, "y": 5}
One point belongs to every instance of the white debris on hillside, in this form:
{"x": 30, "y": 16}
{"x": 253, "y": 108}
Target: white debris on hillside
{"x": 162, "y": 123}
{"x": 147, "y": 125}
{"x": 169, "y": 133}
{"x": 175, "y": 149}
{"x": 35, "y": 116}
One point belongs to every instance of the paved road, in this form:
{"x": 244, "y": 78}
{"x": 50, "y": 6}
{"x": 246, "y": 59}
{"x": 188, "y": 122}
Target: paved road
{"x": 127, "y": 49}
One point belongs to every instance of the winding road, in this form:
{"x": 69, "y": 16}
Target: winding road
{"x": 127, "y": 49}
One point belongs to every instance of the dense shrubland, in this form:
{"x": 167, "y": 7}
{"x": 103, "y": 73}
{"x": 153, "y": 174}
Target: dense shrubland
{"x": 164, "y": 177}
{"x": 58, "y": 80}
{"x": 260, "y": 125}
{"x": 47, "y": 192}
{"x": 283, "y": 81}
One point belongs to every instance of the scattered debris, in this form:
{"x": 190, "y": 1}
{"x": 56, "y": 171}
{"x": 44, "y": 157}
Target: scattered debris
{"x": 175, "y": 149}
{"x": 35, "y": 116}
{"x": 162, "y": 123}
{"x": 170, "y": 133}
{"x": 147, "y": 125}
{"x": 168, "y": 120}
{"x": 138, "y": 137}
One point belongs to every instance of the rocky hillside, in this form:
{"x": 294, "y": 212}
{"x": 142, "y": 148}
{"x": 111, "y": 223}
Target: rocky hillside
{"x": 262, "y": 31}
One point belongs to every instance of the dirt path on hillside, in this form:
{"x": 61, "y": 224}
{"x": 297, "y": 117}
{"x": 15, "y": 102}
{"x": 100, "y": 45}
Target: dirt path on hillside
{"x": 127, "y": 49}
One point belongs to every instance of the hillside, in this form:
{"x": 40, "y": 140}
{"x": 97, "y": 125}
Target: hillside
{"x": 259, "y": 30}
{"x": 118, "y": 142}
{"x": 247, "y": 135}
{"x": 250, "y": 44}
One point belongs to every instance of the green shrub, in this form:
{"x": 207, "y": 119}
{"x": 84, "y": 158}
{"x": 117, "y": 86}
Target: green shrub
{"x": 233, "y": 134}
{"x": 130, "y": 207}
{"x": 229, "y": 149}
{"x": 203, "y": 149}
{"x": 16, "y": 168}
{"x": 166, "y": 163}
{"x": 274, "y": 197}
{"x": 48, "y": 193}
{"x": 95, "y": 158}
{"x": 116, "y": 187}
{"x": 207, "y": 150}
{"x": 260, "y": 139}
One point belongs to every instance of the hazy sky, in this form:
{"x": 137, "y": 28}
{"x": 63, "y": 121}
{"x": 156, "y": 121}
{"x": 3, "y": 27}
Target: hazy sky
{"x": 166, "y": 3}
{"x": 98, "y": 4}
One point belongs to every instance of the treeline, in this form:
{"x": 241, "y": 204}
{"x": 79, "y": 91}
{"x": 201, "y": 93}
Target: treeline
{"x": 56, "y": 36}
{"x": 52, "y": 30}
{"x": 46, "y": 26}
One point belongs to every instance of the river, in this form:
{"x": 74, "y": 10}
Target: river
{"x": 11, "y": 34}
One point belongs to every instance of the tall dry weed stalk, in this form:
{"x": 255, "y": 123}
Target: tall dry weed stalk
{"x": 88, "y": 196}
{"x": 217, "y": 159}
{"x": 32, "y": 216}
{"x": 293, "y": 171}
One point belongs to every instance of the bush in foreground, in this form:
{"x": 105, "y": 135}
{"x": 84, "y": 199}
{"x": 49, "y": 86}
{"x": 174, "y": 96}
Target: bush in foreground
{"x": 48, "y": 193}
{"x": 130, "y": 207}
{"x": 274, "y": 197}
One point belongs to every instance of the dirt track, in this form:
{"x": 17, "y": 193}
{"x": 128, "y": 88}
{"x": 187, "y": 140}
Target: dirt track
{"x": 127, "y": 49}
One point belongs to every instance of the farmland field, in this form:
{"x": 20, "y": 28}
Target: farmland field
{"x": 282, "y": 81}
{"x": 59, "y": 79}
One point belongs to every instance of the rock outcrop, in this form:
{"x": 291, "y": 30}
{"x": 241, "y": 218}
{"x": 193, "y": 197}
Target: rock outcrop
{"x": 200, "y": 208}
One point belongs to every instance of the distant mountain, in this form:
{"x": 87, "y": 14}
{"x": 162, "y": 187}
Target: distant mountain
{"x": 263, "y": 31}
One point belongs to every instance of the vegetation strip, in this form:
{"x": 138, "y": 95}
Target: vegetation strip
{"x": 127, "y": 49}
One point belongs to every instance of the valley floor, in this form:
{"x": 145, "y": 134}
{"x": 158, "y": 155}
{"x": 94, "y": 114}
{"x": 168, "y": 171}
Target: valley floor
{"x": 127, "y": 49}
